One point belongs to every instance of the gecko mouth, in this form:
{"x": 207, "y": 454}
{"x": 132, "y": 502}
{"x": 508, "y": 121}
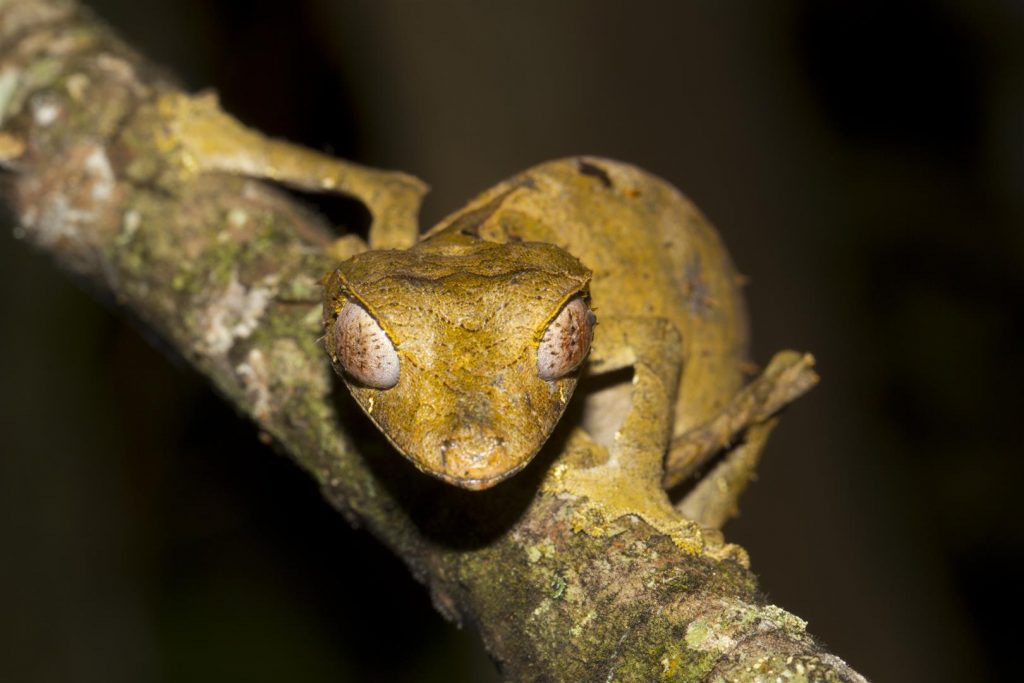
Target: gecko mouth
{"x": 480, "y": 484}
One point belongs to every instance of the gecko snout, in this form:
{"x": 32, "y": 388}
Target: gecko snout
{"x": 476, "y": 439}
{"x": 476, "y": 455}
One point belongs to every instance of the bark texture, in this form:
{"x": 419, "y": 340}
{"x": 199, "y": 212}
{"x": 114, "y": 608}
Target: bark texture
{"x": 562, "y": 583}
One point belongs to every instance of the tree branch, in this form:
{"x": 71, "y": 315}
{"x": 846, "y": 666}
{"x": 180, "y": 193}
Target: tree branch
{"x": 562, "y": 583}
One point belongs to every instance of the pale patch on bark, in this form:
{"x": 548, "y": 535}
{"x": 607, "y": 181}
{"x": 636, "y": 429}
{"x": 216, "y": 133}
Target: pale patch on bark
{"x": 60, "y": 215}
{"x": 97, "y": 166}
{"x": 255, "y": 378}
{"x": 232, "y": 316}
{"x": 45, "y": 110}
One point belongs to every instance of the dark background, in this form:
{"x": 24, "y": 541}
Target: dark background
{"x": 864, "y": 162}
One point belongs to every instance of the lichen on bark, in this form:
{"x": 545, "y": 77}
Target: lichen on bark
{"x": 562, "y": 583}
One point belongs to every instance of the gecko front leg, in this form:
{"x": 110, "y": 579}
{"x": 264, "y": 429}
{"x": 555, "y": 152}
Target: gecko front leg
{"x": 627, "y": 474}
{"x": 207, "y": 140}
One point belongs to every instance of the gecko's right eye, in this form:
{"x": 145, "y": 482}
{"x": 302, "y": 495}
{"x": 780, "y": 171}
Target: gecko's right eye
{"x": 566, "y": 342}
{"x": 364, "y": 349}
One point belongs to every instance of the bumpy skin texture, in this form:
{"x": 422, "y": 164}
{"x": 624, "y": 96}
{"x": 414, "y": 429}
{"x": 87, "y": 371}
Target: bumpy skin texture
{"x": 653, "y": 257}
{"x": 468, "y": 304}
{"x": 576, "y": 569}
{"x": 466, "y": 316}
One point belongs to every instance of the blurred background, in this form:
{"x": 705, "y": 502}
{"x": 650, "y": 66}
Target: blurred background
{"x": 864, "y": 162}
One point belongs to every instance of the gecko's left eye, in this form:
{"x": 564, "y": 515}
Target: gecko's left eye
{"x": 364, "y": 350}
{"x": 566, "y": 342}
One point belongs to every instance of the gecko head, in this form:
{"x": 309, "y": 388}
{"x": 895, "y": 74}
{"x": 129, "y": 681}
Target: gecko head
{"x": 463, "y": 353}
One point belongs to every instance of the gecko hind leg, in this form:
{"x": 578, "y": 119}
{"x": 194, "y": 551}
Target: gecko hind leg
{"x": 208, "y": 140}
{"x": 715, "y": 498}
{"x": 742, "y": 429}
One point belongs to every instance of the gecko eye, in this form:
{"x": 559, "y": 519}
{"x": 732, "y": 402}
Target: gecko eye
{"x": 364, "y": 350}
{"x": 566, "y": 341}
